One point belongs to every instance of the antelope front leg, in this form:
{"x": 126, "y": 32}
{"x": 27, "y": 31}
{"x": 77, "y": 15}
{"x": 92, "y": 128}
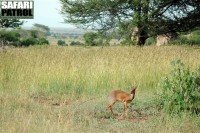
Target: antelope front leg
{"x": 110, "y": 108}
{"x": 125, "y": 106}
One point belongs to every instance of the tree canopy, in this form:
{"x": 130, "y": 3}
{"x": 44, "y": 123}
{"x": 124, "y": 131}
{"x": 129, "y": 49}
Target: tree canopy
{"x": 150, "y": 17}
{"x": 10, "y": 23}
{"x": 42, "y": 28}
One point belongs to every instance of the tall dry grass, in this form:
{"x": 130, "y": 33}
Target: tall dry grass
{"x": 63, "y": 89}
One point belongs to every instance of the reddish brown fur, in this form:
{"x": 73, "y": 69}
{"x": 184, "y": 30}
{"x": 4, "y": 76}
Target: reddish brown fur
{"x": 118, "y": 95}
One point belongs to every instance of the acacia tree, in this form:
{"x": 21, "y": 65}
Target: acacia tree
{"x": 150, "y": 17}
{"x": 10, "y": 23}
{"x": 42, "y": 28}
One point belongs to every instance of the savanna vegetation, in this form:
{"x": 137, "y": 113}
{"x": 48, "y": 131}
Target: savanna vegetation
{"x": 64, "y": 89}
{"x": 137, "y": 20}
{"x": 11, "y": 34}
{"x": 49, "y": 88}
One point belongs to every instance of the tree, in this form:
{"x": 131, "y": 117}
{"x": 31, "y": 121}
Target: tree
{"x": 96, "y": 39}
{"x": 42, "y": 28}
{"x": 150, "y": 17}
{"x": 90, "y": 38}
{"x": 34, "y": 33}
{"x": 10, "y": 23}
{"x": 6, "y": 36}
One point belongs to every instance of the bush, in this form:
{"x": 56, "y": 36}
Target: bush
{"x": 73, "y": 43}
{"x": 181, "y": 90}
{"x": 42, "y": 41}
{"x": 183, "y": 40}
{"x": 127, "y": 42}
{"x": 97, "y": 39}
{"x": 61, "y": 43}
{"x": 90, "y": 38}
{"x": 196, "y": 32}
{"x": 16, "y": 43}
{"x": 34, "y": 33}
{"x": 150, "y": 41}
{"x": 29, "y": 41}
{"x": 9, "y": 37}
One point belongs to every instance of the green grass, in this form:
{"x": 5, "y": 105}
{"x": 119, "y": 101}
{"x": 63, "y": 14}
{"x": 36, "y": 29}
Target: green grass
{"x": 64, "y": 89}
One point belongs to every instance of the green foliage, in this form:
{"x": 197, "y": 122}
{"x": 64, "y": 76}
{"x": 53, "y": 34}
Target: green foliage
{"x": 96, "y": 39}
{"x": 9, "y": 37}
{"x": 183, "y": 40}
{"x": 34, "y": 33}
{"x": 10, "y": 23}
{"x": 127, "y": 43}
{"x": 31, "y": 33}
{"x": 13, "y": 38}
{"x": 42, "y": 41}
{"x": 125, "y": 29}
{"x": 196, "y": 32}
{"x": 151, "y": 17}
{"x": 181, "y": 90}
{"x": 51, "y": 89}
{"x": 76, "y": 43}
{"x": 61, "y": 43}
{"x": 150, "y": 41}
{"x": 191, "y": 38}
{"x": 104, "y": 38}
{"x": 90, "y": 38}
{"x": 24, "y": 33}
{"x": 42, "y": 28}
{"x": 29, "y": 41}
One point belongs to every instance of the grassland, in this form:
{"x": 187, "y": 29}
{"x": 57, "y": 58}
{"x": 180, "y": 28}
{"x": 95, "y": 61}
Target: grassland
{"x": 55, "y": 89}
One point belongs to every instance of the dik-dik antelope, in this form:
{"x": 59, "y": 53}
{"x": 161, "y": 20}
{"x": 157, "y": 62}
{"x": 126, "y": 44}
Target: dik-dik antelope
{"x": 118, "y": 95}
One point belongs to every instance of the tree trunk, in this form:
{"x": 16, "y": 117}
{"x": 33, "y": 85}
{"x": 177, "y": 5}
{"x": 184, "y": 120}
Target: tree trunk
{"x": 141, "y": 38}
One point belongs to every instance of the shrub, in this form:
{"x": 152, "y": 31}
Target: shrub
{"x": 29, "y": 41}
{"x": 127, "y": 42}
{"x": 97, "y": 39}
{"x": 150, "y": 41}
{"x": 183, "y": 40}
{"x": 196, "y": 32}
{"x": 73, "y": 43}
{"x": 90, "y": 38}
{"x": 42, "y": 41}
{"x": 61, "y": 43}
{"x": 9, "y": 37}
{"x": 181, "y": 90}
{"x": 16, "y": 43}
{"x": 34, "y": 33}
